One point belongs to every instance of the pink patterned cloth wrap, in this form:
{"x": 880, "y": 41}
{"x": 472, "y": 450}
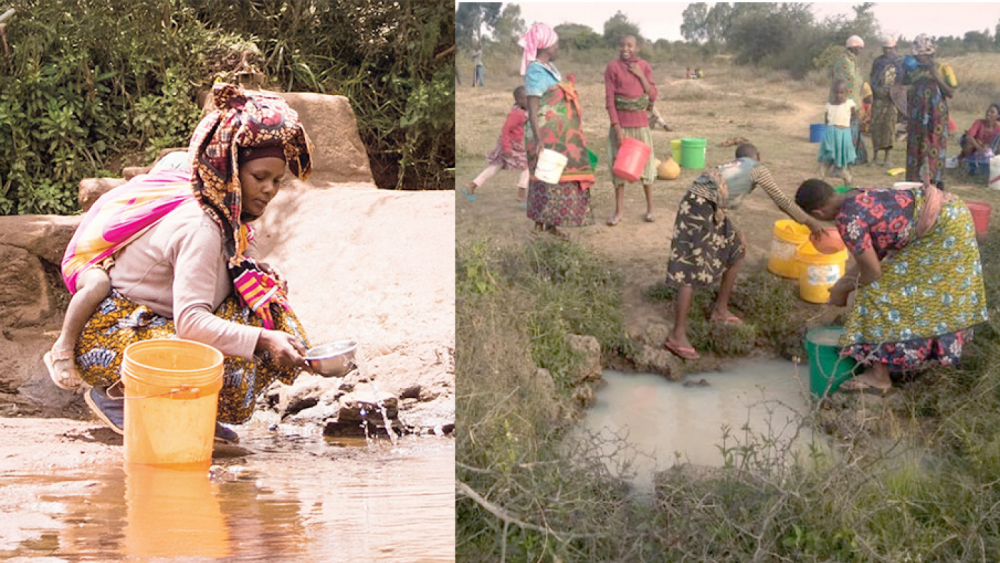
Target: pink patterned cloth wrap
{"x": 122, "y": 215}
{"x": 258, "y": 291}
{"x": 539, "y": 36}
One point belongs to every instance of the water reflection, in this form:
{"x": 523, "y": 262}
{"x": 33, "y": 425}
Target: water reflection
{"x": 292, "y": 499}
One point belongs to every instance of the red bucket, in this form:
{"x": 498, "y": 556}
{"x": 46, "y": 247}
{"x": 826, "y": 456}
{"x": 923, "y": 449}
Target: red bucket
{"x": 980, "y": 216}
{"x": 631, "y": 159}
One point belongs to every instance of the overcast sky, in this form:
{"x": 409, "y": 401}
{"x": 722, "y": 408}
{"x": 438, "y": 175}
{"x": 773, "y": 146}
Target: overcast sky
{"x": 662, "y": 20}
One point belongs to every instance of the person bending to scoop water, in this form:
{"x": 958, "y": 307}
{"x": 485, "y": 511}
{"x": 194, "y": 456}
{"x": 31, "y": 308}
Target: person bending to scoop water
{"x": 707, "y": 248}
{"x": 917, "y": 277}
{"x": 186, "y": 264}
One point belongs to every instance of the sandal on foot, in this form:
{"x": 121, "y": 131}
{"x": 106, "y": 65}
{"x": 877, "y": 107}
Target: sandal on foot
{"x": 683, "y": 352}
{"x": 51, "y": 358}
{"x": 858, "y": 385}
{"x": 729, "y": 319}
{"x": 649, "y": 218}
{"x": 612, "y": 221}
{"x": 468, "y": 195}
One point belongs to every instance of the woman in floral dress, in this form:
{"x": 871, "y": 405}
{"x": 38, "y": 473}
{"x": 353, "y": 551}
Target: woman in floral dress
{"x": 918, "y": 277}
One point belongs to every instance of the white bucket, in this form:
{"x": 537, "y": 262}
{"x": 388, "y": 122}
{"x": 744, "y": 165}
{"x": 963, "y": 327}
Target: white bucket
{"x": 907, "y": 185}
{"x": 550, "y": 166}
{"x": 994, "y": 181}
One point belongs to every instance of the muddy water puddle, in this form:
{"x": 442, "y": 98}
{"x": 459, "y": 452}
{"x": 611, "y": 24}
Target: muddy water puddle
{"x": 282, "y": 498}
{"x": 667, "y": 423}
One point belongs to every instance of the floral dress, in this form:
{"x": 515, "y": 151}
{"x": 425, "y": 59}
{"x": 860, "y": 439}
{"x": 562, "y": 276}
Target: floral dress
{"x": 930, "y": 294}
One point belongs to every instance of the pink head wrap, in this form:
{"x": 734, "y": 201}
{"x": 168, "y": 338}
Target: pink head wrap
{"x": 539, "y": 36}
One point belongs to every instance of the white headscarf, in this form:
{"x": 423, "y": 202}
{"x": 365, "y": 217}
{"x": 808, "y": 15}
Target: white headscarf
{"x": 855, "y": 41}
{"x": 539, "y": 36}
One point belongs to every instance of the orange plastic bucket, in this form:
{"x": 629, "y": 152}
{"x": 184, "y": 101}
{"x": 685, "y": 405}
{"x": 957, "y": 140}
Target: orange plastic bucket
{"x": 173, "y": 513}
{"x": 171, "y": 396}
{"x": 631, "y": 159}
{"x": 980, "y": 216}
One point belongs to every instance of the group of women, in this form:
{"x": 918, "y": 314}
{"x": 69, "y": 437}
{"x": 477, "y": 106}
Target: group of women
{"x": 896, "y": 323}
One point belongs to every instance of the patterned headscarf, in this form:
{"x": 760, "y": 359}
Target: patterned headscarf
{"x": 540, "y": 36}
{"x": 923, "y": 45}
{"x": 242, "y": 121}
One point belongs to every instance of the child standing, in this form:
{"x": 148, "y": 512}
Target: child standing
{"x": 836, "y": 151}
{"x": 508, "y": 153}
{"x": 630, "y": 94}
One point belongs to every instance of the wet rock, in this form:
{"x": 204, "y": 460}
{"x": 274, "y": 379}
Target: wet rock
{"x": 93, "y": 188}
{"x": 353, "y": 404}
{"x": 590, "y": 349}
{"x": 317, "y": 414}
{"x": 584, "y": 396}
{"x": 335, "y": 428}
{"x": 411, "y": 392}
{"x": 658, "y": 360}
{"x": 307, "y": 392}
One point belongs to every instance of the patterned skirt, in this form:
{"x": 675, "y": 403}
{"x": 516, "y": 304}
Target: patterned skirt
{"x": 703, "y": 248}
{"x": 119, "y": 322}
{"x": 923, "y": 307}
{"x": 883, "y": 124}
{"x": 559, "y": 205}
{"x": 518, "y": 160}
{"x": 641, "y": 133}
{"x": 926, "y": 132}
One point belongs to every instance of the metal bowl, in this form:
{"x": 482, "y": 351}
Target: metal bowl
{"x": 332, "y": 360}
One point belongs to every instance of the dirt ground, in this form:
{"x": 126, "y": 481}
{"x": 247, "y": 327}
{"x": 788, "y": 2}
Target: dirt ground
{"x": 768, "y": 110}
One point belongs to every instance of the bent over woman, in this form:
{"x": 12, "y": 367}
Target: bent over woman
{"x": 918, "y": 279}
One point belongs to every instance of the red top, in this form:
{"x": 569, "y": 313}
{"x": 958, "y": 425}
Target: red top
{"x": 512, "y": 135}
{"x": 618, "y": 80}
{"x": 981, "y": 131}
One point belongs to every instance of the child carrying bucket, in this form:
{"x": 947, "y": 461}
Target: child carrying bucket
{"x": 630, "y": 93}
{"x": 836, "y": 150}
{"x": 508, "y": 153}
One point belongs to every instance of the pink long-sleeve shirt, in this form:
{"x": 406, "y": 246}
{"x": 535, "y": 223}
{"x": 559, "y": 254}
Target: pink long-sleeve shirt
{"x": 618, "y": 80}
{"x": 512, "y": 135}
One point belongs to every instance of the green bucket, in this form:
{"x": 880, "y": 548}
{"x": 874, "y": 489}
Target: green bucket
{"x": 693, "y": 152}
{"x": 593, "y": 159}
{"x": 827, "y": 370}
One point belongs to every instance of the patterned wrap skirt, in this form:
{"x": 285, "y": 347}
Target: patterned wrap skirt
{"x": 641, "y": 133}
{"x": 703, "y": 247}
{"x": 923, "y": 307}
{"x": 119, "y": 322}
{"x": 559, "y": 205}
{"x": 517, "y": 160}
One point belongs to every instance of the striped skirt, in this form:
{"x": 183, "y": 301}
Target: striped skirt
{"x": 641, "y": 133}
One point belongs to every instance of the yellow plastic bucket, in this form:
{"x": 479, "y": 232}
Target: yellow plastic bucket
{"x": 675, "y": 150}
{"x": 788, "y": 237}
{"x": 818, "y": 272}
{"x": 171, "y": 396}
{"x": 173, "y": 513}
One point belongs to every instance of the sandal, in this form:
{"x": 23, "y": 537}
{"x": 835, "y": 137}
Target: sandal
{"x": 649, "y": 218}
{"x": 612, "y": 221}
{"x": 683, "y": 352}
{"x": 858, "y": 385}
{"x": 729, "y": 319}
{"x": 64, "y": 355}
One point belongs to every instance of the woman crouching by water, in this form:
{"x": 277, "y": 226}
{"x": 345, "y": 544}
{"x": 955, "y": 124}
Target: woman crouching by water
{"x": 188, "y": 268}
{"x": 918, "y": 277}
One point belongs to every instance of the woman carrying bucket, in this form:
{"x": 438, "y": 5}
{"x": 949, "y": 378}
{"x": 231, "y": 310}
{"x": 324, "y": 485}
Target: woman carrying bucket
{"x": 707, "y": 248}
{"x": 630, "y": 94}
{"x": 554, "y": 126}
{"x": 918, "y": 277}
{"x": 192, "y": 272}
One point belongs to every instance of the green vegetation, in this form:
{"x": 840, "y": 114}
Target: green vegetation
{"x": 90, "y": 86}
{"x": 909, "y": 477}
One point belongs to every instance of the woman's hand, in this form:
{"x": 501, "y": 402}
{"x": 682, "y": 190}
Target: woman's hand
{"x": 285, "y": 350}
{"x": 619, "y": 133}
{"x": 815, "y": 226}
{"x": 635, "y": 69}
